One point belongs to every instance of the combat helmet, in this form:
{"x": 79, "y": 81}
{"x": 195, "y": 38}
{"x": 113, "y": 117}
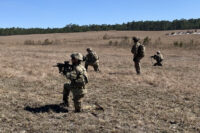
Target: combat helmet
{"x": 135, "y": 39}
{"x": 77, "y": 56}
{"x": 158, "y": 52}
{"x": 89, "y": 49}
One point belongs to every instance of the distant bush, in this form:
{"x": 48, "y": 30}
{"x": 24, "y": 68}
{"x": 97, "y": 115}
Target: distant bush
{"x": 190, "y": 45}
{"x": 193, "y": 44}
{"x": 123, "y": 42}
{"x": 158, "y": 41}
{"x": 189, "y": 32}
{"x": 178, "y": 44}
{"x": 116, "y": 43}
{"x": 57, "y": 42}
{"x": 127, "y": 41}
{"x": 172, "y": 33}
{"x": 106, "y": 37}
{"x": 39, "y": 42}
{"x": 110, "y": 43}
{"x": 29, "y": 42}
{"x": 147, "y": 41}
{"x": 45, "y": 42}
{"x": 126, "y": 38}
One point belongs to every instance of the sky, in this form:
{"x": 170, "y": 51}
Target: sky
{"x": 59, "y": 13}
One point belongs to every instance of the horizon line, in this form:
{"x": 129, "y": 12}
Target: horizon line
{"x": 94, "y": 24}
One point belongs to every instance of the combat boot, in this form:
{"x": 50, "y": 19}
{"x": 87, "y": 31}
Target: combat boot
{"x": 77, "y": 107}
{"x": 77, "y": 110}
{"x": 65, "y": 104}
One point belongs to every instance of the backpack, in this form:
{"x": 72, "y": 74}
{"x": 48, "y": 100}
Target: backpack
{"x": 141, "y": 51}
{"x": 93, "y": 57}
{"x": 82, "y": 77}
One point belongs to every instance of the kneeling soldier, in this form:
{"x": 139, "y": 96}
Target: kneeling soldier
{"x": 91, "y": 59}
{"x": 159, "y": 58}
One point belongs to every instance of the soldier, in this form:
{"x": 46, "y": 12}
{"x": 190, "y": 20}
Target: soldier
{"x": 78, "y": 79}
{"x": 91, "y": 59}
{"x": 138, "y": 51}
{"x": 158, "y": 57}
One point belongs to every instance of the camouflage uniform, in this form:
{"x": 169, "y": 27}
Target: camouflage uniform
{"x": 92, "y": 59}
{"x": 136, "y": 54}
{"x": 78, "y": 77}
{"x": 159, "y": 58}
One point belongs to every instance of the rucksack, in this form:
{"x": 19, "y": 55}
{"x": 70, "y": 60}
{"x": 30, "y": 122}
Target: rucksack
{"x": 93, "y": 57}
{"x": 141, "y": 51}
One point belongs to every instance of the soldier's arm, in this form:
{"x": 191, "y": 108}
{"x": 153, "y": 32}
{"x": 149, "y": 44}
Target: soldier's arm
{"x": 87, "y": 57}
{"x": 96, "y": 56}
{"x": 132, "y": 50}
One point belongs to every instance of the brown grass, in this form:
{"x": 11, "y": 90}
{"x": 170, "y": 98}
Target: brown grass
{"x": 162, "y": 99}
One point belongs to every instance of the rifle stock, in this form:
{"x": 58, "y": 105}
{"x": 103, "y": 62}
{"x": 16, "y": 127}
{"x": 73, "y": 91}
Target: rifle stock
{"x": 64, "y": 67}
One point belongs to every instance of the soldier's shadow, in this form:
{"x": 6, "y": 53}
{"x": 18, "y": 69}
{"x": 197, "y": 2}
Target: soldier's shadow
{"x": 46, "y": 108}
{"x": 120, "y": 73}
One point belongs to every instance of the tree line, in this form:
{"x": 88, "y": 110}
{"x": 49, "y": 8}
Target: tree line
{"x": 181, "y": 24}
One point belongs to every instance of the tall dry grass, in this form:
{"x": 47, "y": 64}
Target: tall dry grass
{"x": 162, "y": 99}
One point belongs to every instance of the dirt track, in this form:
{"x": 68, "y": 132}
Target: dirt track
{"x": 162, "y": 99}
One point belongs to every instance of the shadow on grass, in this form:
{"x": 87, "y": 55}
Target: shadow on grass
{"x": 46, "y": 108}
{"x": 120, "y": 73}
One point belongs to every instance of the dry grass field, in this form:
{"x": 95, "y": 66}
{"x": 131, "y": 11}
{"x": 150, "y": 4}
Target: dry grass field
{"x": 163, "y": 99}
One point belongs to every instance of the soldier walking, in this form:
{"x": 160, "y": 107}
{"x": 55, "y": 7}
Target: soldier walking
{"x": 91, "y": 59}
{"x": 138, "y": 51}
{"x": 78, "y": 79}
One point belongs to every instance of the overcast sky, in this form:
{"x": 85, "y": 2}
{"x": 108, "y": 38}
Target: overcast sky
{"x": 58, "y": 13}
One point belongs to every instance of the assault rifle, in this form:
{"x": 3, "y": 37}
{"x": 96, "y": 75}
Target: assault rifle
{"x": 154, "y": 56}
{"x": 64, "y": 67}
{"x": 84, "y": 58}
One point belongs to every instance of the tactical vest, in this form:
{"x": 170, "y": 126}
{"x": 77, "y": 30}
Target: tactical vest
{"x": 78, "y": 76}
{"x": 141, "y": 51}
{"x": 138, "y": 50}
{"x": 92, "y": 57}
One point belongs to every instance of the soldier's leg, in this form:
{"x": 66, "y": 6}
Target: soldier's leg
{"x": 66, "y": 92}
{"x": 86, "y": 65}
{"x": 159, "y": 64}
{"x": 155, "y": 64}
{"x": 137, "y": 67}
{"x": 77, "y": 102}
{"x": 77, "y": 98}
{"x": 96, "y": 67}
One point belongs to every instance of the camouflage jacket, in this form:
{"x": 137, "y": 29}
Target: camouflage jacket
{"x": 138, "y": 50}
{"x": 91, "y": 57}
{"x": 78, "y": 75}
{"x": 158, "y": 57}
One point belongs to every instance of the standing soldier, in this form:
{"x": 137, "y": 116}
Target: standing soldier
{"x": 138, "y": 51}
{"x": 91, "y": 59}
{"x": 78, "y": 79}
{"x": 158, "y": 57}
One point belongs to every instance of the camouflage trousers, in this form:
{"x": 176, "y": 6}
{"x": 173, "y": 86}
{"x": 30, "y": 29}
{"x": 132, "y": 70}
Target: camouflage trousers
{"x": 95, "y": 65}
{"x": 78, "y": 93}
{"x": 137, "y": 64}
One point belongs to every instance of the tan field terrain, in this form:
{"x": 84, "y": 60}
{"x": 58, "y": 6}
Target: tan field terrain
{"x": 161, "y": 99}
